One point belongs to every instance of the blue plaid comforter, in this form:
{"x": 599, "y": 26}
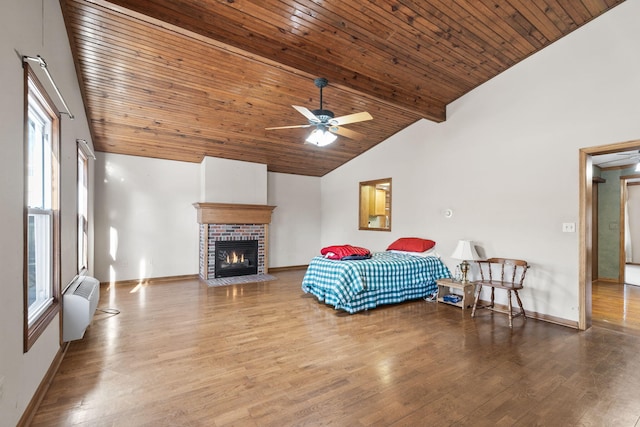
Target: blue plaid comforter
{"x": 386, "y": 278}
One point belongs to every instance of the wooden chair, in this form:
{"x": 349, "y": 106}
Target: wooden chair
{"x": 509, "y": 275}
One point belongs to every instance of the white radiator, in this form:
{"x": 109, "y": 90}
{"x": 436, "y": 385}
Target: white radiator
{"x": 79, "y": 303}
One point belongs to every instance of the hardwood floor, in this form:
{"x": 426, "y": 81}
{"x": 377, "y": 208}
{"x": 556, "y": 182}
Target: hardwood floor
{"x": 182, "y": 354}
{"x": 616, "y": 306}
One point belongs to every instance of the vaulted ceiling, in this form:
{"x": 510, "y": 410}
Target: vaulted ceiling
{"x": 183, "y": 79}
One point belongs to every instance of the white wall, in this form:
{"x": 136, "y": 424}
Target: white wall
{"x": 294, "y": 233}
{"x": 23, "y": 29}
{"x": 233, "y": 181}
{"x": 506, "y": 160}
{"x": 145, "y": 221}
{"x": 147, "y": 206}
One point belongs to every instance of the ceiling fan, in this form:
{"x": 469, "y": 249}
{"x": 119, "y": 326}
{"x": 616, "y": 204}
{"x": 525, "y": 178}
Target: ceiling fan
{"x": 326, "y": 125}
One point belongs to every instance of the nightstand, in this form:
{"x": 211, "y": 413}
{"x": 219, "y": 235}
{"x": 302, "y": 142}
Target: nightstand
{"x": 465, "y": 290}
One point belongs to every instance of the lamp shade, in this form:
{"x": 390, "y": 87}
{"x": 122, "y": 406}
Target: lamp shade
{"x": 465, "y": 251}
{"x": 321, "y": 137}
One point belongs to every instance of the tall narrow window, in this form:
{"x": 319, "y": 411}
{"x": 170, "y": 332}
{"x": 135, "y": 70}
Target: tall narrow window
{"x": 42, "y": 223}
{"x": 83, "y": 210}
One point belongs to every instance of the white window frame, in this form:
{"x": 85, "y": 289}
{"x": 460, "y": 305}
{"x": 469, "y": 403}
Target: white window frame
{"x": 42, "y": 218}
{"x": 83, "y": 210}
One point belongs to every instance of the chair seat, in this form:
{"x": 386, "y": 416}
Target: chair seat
{"x": 498, "y": 284}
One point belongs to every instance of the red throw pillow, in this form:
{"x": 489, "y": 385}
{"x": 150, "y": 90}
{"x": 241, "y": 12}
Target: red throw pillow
{"x": 412, "y": 244}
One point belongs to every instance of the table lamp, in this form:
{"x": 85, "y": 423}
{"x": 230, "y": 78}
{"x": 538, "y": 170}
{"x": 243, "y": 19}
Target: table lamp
{"x": 465, "y": 251}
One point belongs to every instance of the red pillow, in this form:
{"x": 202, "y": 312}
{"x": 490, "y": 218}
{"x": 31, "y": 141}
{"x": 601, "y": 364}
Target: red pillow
{"x": 412, "y": 244}
{"x": 341, "y": 251}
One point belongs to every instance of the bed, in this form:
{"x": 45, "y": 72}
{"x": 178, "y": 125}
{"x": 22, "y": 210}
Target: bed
{"x": 385, "y": 278}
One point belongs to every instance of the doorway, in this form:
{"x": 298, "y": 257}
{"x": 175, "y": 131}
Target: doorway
{"x": 586, "y": 237}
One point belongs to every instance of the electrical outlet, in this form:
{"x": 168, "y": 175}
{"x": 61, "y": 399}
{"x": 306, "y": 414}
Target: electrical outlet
{"x": 568, "y": 227}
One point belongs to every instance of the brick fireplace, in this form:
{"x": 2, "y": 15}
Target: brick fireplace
{"x": 225, "y": 222}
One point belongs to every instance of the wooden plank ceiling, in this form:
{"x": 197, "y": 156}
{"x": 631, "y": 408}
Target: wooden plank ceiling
{"x": 183, "y": 79}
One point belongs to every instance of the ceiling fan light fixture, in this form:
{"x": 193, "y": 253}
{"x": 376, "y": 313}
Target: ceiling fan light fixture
{"x": 321, "y": 137}
{"x": 327, "y": 126}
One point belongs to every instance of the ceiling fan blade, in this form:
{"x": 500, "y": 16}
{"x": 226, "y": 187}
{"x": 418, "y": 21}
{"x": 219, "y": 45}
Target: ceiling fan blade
{"x": 288, "y": 127}
{"x": 305, "y": 112}
{"x": 346, "y": 132}
{"x": 351, "y": 118}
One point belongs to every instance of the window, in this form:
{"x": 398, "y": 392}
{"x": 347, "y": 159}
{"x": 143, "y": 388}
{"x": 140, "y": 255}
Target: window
{"x": 42, "y": 223}
{"x": 83, "y": 209}
{"x": 375, "y": 205}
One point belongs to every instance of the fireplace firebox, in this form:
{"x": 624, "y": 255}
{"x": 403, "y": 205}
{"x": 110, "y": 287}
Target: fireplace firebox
{"x": 236, "y": 258}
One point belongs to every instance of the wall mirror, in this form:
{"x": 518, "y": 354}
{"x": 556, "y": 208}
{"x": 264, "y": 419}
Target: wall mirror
{"x": 375, "y": 205}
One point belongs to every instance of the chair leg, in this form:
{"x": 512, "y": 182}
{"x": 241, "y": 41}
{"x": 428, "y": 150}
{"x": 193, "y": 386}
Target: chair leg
{"x": 492, "y": 297}
{"x": 510, "y": 310}
{"x": 520, "y": 304}
{"x": 475, "y": 301}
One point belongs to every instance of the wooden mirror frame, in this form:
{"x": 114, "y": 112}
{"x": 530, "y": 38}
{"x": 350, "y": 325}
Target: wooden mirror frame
{"x": 375, "y": 205}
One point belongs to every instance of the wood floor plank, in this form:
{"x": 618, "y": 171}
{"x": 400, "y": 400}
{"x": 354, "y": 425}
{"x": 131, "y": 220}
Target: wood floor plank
{"x": 616, "y": 306}
{"x": 265, "y": 354}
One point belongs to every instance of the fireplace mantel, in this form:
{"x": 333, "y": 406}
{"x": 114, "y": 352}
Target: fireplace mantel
{"x": 233, "y": 213}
